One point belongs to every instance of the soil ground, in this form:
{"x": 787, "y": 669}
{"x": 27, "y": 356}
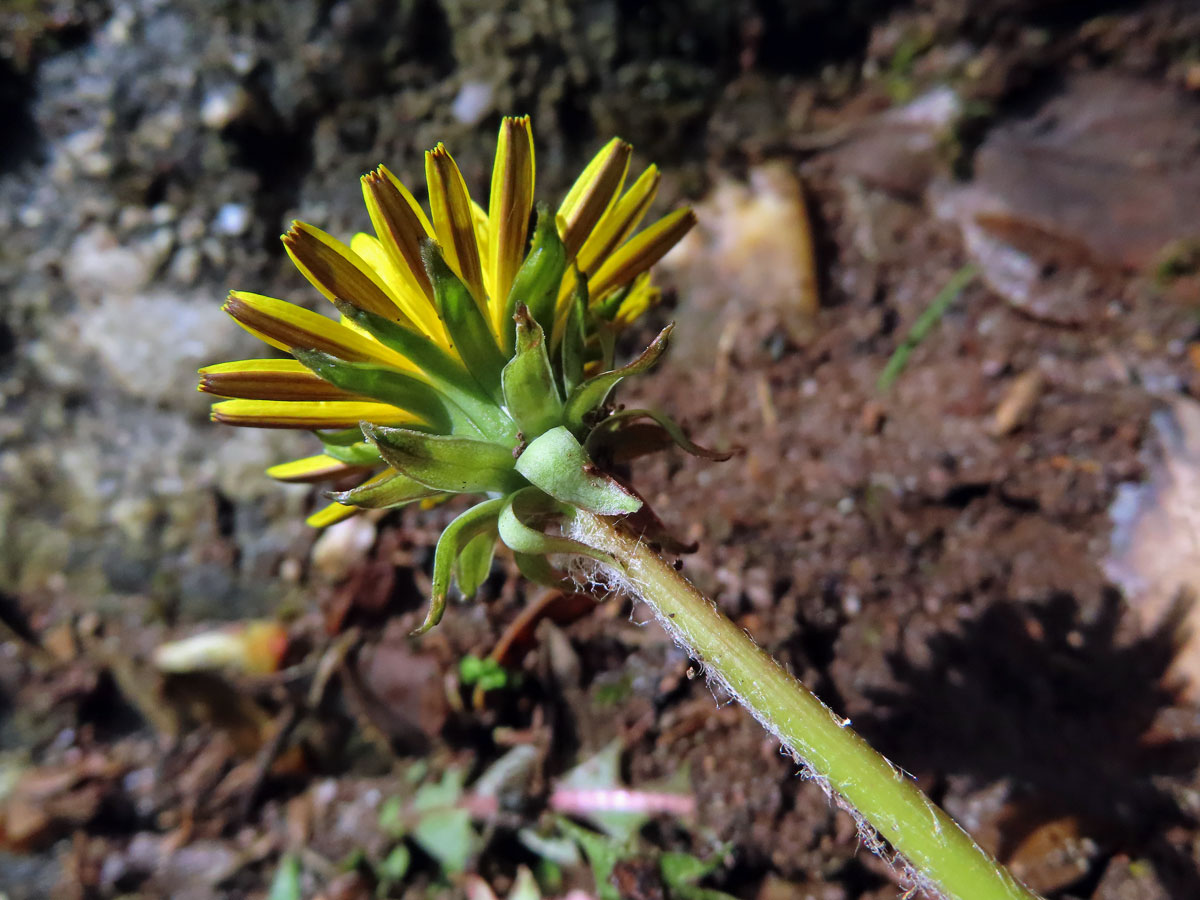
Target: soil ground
{"x": 929, "y": 556}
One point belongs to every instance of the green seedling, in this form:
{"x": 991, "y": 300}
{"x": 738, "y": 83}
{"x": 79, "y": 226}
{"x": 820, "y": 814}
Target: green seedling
{"x": 485, "y": 673}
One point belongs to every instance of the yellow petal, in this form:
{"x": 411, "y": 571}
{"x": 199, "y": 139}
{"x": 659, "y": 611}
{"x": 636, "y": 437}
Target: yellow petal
{"x": 401, "y": 225}
{"x": 322, "y": 414}
{"x": 331, "y": 515}
{"x": 267, "y": 379}
{"x": 620, "y": 221}
{"x": 338, "y": 272}
{"x": 592, "y": 194}
{"x": 509, "y": 207}
{"x": 311, "y": 468}
{"x": 479, "y": 218}
{"x": 640, "y": 253}
{"x": 452, "y": 220}
{"x": 414, "y": 304}
{"x": 285, "y": 325}
{"x": 641, "y": 297}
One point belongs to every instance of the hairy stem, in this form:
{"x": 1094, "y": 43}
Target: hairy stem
{"x": 942, "y": 856}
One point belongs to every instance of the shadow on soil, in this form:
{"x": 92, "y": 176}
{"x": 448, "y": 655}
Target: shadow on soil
{"x": 1061, "y": 707}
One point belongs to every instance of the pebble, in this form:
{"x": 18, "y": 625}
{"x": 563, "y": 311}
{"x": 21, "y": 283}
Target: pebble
{"x": 232, "y": 219}
{"x": 223, "y": 106}
{"x": 472, "y": 103}
{"x": 342, "y": 546}
{"x": 185, "y": 265}
{"x": 82, "y": 152}
{"x": 97, "y": 265}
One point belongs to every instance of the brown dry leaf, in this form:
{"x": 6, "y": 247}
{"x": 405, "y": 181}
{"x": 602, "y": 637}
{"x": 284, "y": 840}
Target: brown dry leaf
{"x": 1108, "y": 166}
{"x": 397, "y": 692}
{"x": 902, "y": 149}
{"x": 1100, "y": 181}
{"x": 48, "y": 801}
{"x": 1155, "y": 552}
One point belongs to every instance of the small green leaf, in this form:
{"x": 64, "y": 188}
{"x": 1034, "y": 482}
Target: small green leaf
{"x": 478, "y": 520}
{"x": 525, "y": 887}
{"x": 395, "y": 865}
{"x": 388, "y": 385}
{"x": 538, "y": 280}
{"x": 392, "y": 818}
{"x": 680, "y": 869}
{"x": 443, "y": 828}
{"x": 530, "y": 393}
{"x": 487, "y": 673}
{"x": 444, "y": 372}
{"x": 529, "y": 504}
{"x": 446, "y": 463}
{"x": 286, "y": 883}
{"x": 574, "y": 339}
{"x": 602, "y": 852}
{"x": 393, "y": 490}
{"x": 447, "y": 837}
{"x": 592, "y": 393}
{"x": 465, "y": 322}
{"x": 556, "y": 463}
{"x": 474, "y": 562}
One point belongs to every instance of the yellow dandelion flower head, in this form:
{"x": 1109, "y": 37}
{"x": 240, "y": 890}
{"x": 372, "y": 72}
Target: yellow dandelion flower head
{"x": 453, "y": 324}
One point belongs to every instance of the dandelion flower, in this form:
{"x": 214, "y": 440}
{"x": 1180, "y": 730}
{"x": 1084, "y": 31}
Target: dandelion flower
{"x": 469, "y": 356}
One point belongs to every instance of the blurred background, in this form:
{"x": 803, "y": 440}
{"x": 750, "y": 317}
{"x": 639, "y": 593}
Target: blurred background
{"x": 976, "y": 537}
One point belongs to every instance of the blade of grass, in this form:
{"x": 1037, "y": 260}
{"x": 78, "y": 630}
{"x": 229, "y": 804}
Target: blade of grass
{"x": 925, "y": 322}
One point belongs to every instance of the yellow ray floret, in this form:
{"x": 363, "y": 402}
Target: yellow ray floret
{"x": 589, "y": 198}
{"x": 321, "y": 414}
{"x": 619, "y": 221}
{"x": 642, "y": 295}
{"x": 339, "y": 273}
{"x": 509, "y": 208}
{"x": 401, "y": 225}
{"x": 640, "y": 252}
{"x": 312, "y": 468}
{"x": 453, "y": 221}
{"x": 268, "y": 379}
{"x": 412, "y": 300}
{"x": 286, "y": 326}
{"x": 330, "y": 515}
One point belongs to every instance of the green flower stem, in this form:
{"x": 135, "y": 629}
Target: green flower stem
{"x": 942, "y": 853}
